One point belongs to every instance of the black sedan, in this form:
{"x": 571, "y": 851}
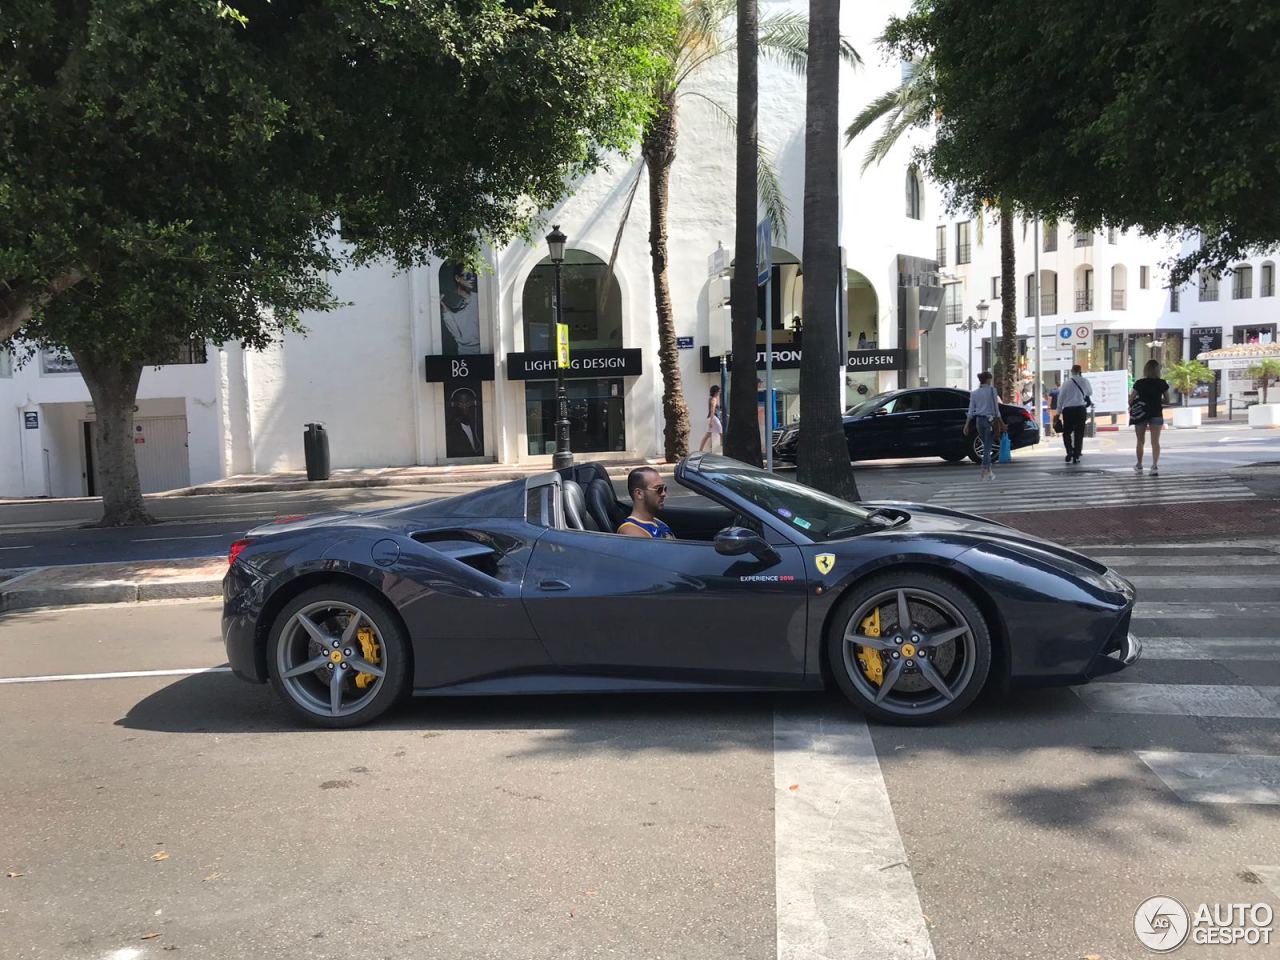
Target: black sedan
{"x": 769, "y": 585}
{"x": 924, "y": 422}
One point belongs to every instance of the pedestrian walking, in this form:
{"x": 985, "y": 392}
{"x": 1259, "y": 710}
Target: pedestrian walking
{"x": 714, "y": 427}
{"x": 1074, "y": 399}
{"x": 1146, "y": 412}
{"x": 983, "y": 414}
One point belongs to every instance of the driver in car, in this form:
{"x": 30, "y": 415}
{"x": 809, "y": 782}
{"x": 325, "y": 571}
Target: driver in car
{"x": 649, "y": 493}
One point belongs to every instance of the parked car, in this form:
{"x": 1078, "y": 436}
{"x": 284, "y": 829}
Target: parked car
{"x": 525, "y": 588}
{"x": 924, "y": 422}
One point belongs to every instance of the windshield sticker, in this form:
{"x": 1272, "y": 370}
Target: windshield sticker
{"x": 802, "y": 523}
{"x": 784, "y": 512}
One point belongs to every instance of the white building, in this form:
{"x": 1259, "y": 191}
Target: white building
{"x": 432, "y": 366}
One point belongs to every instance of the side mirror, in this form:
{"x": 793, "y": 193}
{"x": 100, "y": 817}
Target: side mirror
{"x": 736, "y": 541}
{"x": 879, "y": 412}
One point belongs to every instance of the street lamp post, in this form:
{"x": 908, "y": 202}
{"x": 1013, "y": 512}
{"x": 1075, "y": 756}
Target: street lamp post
{"x": 563, "y": 456}
{"x": 968, "y": 326}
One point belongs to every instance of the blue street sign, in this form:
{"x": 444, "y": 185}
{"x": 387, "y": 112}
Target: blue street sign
{"x": 764, "y": 251}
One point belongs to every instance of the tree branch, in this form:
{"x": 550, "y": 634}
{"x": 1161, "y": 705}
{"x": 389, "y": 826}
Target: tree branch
{"x": 18, "y": 303}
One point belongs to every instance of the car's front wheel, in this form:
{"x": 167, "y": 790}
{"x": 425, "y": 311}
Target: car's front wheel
{"x": 337, "y": 656}
{"x": 909, "y": 648}
{"x": 975, "y": 449}
{"x": 955, "y": 457}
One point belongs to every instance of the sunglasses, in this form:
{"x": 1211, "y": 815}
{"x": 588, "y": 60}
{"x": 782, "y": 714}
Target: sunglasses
{"x": 660, "y": 488}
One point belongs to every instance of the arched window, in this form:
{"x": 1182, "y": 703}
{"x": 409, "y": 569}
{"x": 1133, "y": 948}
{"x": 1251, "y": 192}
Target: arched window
{"x": 1119, "y": 287}
{"x": 594, "y": 314}
{"x": 1084, "y": 288}
{"x": 915, "y": 203}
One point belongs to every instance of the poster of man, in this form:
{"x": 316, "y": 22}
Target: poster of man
{"x": 459, "y": 311}
{"x": 464, "y": 435}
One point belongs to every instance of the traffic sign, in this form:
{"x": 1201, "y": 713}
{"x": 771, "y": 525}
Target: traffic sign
{"x": 562, "y": 346}
{"x": 764, "y": 251}
{"x": 1075, "y": 336}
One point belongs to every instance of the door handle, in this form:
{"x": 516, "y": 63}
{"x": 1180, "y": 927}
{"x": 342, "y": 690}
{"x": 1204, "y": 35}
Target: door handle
{"x": 914, "y": 416}
{"x": 553, "y": 585}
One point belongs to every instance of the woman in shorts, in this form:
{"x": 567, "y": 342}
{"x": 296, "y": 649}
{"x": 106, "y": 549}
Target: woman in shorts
{"x": 1146, "y": 412}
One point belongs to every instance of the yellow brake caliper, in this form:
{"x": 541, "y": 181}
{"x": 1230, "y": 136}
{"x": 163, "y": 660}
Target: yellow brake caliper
{"x": 870, "y": 660}
{"x": 369, "y": 650}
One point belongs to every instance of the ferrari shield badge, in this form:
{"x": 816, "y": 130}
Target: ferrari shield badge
{"x": 824, "y": 562}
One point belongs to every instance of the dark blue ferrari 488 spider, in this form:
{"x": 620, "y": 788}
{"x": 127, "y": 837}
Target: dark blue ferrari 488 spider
{"x": 910, "y": 610}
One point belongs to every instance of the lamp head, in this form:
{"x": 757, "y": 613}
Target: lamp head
{"x": 555, "y": 242}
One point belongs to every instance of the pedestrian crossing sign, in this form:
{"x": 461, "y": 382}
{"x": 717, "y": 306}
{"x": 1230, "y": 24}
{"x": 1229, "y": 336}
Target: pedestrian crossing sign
{"x": 562, "y": 346}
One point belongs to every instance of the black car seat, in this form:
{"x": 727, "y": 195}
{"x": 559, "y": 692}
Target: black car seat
{"x": 575, "y": 508}
{"x": 603, "y": 505}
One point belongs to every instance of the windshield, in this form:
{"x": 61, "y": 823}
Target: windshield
{"x": 817, "y": 515}
{"x": 866, "y": 406}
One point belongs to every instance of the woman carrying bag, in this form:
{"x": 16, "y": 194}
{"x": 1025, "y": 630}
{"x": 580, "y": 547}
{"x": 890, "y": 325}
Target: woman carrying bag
{"x": 984, "y": 416}
{"x": 1146, "y": 412}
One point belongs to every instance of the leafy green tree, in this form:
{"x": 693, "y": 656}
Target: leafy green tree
{"x": 1156, "y": 116}
{"x": 191, "y": 170}
{"x": 823, "y": 456}
{"x": 1265, "y": 371}
{"x": 914, "y": 104}
{"x": 1186, "y": 375}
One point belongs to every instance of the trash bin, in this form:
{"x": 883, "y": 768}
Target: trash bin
{"x": 315, "y": 447}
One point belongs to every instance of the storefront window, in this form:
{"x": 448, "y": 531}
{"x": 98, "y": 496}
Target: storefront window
{"x": 786, "y": 290}
{"x": 597, "y": 421}
{"x": 1264, "y": 333}
{"x": 593, "y": 313}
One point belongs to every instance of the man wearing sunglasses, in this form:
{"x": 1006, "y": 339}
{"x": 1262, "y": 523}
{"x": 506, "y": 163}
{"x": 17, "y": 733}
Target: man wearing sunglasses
{"x": 649, "y": 494}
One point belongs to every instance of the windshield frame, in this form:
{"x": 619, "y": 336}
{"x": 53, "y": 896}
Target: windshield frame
{"x": 865, "y": 406}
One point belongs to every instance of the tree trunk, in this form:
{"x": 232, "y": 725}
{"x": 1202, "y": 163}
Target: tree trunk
{"x": 1008, "y": 384}
{"x": 113, "y": 385}
{"x": 659, "y": 150}
{"x": 823, "y": 454}
{"x": 742, "y": 439}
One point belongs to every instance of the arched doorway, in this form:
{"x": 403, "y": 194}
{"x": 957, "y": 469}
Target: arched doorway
{"x": 592, "y": 309}
{"x": 862, "y": 314}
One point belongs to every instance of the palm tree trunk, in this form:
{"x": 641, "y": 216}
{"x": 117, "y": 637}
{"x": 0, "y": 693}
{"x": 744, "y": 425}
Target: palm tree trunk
{"x": 1008, "y": 308}
{"x": 113, "y": 385}
{"x": 659, "y": 148}
{"x": 742, "y": 439}
{"x": 823, "y": 455}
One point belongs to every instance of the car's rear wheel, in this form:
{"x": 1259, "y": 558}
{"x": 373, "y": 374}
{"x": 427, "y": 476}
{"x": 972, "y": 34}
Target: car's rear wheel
{"x": 975, "y": 449}
{"x": 909, "y": 648}
{"x": 954, "y": 457}
{"x": 337, "y": 656}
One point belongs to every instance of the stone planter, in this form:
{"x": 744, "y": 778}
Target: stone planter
{"x": 1186, "y": 418}
{"x": 1264, "y": 415}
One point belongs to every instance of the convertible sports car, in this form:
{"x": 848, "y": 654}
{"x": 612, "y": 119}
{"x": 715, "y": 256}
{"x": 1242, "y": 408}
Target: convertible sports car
{"x": 770, "y": 585}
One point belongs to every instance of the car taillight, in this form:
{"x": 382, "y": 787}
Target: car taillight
{"x": 237, "y": 548}
{"x": 1026, "y": 415}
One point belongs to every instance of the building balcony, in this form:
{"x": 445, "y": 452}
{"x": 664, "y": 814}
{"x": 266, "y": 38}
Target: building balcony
{"x": 1084, "y": 301}
{"x": 1117, "y": 299}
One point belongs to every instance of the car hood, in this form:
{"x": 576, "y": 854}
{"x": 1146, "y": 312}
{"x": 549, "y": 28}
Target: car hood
{"x": 926, "y": 519}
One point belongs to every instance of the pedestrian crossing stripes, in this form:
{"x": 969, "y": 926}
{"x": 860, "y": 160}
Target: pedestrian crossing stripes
{"x": 1221, "y": 625}
{"x": 1042, "y": 491}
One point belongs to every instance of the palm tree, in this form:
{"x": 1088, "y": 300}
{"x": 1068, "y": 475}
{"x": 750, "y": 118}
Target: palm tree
{"x": 1265, "y": 371}
{"x": 701, "y": 38}
{"x": 1186, "y": 375}
{"x": 823, "y": 456}
{"x": 913, "y": 104}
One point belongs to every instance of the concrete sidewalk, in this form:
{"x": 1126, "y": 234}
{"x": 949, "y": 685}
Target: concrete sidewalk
{"x": 111, "y": 583}
{"x": 399, "y": 477}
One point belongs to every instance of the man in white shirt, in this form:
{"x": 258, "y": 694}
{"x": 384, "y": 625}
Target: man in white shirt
{"x": 1074, "y": 399}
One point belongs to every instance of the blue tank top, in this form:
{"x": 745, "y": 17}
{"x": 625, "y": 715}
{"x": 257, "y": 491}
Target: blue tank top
{"x": 657, "y": 529}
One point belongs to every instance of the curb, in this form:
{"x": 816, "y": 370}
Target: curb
{"x": 110, "y": 583}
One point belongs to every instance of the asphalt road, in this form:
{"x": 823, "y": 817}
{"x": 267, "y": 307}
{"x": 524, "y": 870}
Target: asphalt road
{"x": 38, "y": 533}
{"x": 190, "y": 811}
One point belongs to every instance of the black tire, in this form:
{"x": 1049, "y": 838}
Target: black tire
{"x": 974, "y": 452}
{"x": 934, "y": 605}
{"x": 324, "y": 607}
{"x": 954, "y": 457}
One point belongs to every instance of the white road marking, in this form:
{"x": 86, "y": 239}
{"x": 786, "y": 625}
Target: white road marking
{"x": 1210, "y": 648}
{"x": 844, "y": 888}
{"x": 25, "y": 547}
{"x": 1186, "y": 581}
{"x": 124, "y": 674}
{"x": 1183, "y": 700}
{"x": 1204, "y": 611}
{"x": 1216, "y": 777}
{"x": 206, "y": 536}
